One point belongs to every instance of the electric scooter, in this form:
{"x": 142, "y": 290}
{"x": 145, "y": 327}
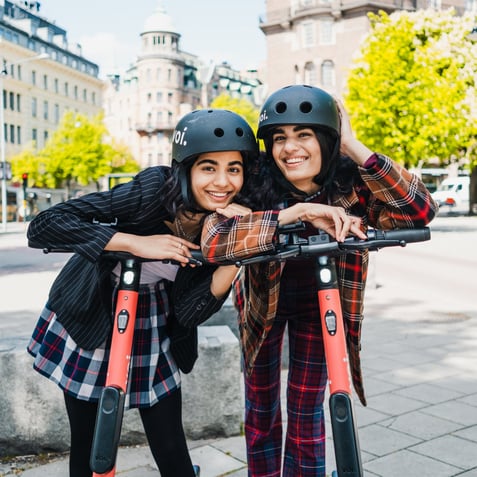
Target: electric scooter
{"x": 323, "y": 248}
{"x": 110, "y": 412}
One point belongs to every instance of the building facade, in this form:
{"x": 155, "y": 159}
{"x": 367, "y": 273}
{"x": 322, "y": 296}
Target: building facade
{"x": 143, "y": 105}
{"x": 42, "y": 77}
{"x": 313, "y": 41}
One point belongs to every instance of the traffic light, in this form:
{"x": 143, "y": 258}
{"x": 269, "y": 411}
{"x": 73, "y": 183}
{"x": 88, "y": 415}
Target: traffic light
{"x": 25, "y": 181}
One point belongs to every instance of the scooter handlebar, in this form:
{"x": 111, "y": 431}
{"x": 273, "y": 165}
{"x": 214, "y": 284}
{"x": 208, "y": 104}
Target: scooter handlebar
{"x": 315, "y": 245}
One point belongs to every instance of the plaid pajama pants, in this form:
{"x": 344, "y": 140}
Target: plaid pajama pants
{"x": 304, "y": 453}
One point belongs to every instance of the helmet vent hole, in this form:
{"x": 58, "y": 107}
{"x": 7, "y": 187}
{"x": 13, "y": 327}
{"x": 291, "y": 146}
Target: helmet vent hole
{"x": 305, "y": 107}
{"x": 219, "y": 132}
{"x": 239, "y": 132}
{"x": 281, "y": 107}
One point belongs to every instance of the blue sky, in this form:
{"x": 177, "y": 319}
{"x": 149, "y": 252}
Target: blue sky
{"x": 108, "y": 30}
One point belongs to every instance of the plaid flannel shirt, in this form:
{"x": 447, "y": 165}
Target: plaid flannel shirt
{"x": 391, "y": 197}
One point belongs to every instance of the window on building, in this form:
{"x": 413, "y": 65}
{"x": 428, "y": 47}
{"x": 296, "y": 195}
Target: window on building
{"x": 12, "y": 133}
{"x": 11, "y": 102}
{"x": 45, "y": 82}
{"x": 326, "y": 31}
{"x": 56, "y": 85}
{"x": 34, "y": 135}
{"x": 5, "y": 132}
{"x": 311, "y": 76}
{"x": 19, "y": 108}
{"x": 57, "y": 113}
{"x": 93, "y": 97}
{"x": 75, "y": 92}
{"x": 327, "y": 73}
{"x": 159, "y": 97}
{"x": 33, "y": 77}
{"x": 85, "y": 95}
{"x": 149, "y": 97}
{"x": 19, "y": 135}
{"x": 66, "y": 89}
{"x": 471, "y": 6}
{"x": 19, "y": 72}
{"x": 435, "y": 4}
{"x": 308, "y": 33}
{"x": 34, "y": 107}
{"x": 4, "y": 99}
{"x": 45, "y": 109}
{"x": 169, "y": 97}
{"x": 45, "y": 137}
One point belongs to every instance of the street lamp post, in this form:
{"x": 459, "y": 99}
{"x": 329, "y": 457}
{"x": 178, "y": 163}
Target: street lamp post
{"x": 2, "y": 151}
{"x": 3, "y": 160}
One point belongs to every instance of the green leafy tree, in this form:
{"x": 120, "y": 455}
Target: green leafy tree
{"x": 75, "y": 152}
{"x": 80, "y": 152}
{"x": 238, "y": 105}
{"x": 26, "y": 161}
{"x": 411, "y": 90}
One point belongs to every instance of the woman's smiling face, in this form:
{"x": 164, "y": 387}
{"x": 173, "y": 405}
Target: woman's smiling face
{"x": 297, "y": 154}
{"x": 216, "y": 178}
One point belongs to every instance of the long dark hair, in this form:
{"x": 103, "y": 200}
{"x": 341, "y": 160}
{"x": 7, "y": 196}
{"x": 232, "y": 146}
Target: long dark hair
{"x": 267, "y": 187}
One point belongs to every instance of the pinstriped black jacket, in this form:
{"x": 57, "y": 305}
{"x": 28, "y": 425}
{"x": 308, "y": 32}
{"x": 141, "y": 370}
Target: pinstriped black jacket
{"x": 81, "y": 295}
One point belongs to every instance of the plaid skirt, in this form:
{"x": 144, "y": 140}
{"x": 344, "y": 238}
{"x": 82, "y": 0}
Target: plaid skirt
{"x": 82, "y": 373}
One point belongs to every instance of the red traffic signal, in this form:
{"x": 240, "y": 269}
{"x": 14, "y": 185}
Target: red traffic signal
{"x": 25, "y": 181}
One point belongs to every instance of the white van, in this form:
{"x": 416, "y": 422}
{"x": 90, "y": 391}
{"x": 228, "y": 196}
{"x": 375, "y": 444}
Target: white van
{"x": 453, "y": 194}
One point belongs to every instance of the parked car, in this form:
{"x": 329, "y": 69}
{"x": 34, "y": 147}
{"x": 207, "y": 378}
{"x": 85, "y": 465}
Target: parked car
{"x": 453, "y": 194}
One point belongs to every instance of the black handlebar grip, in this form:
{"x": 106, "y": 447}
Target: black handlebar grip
{"x": 404, "y": 235}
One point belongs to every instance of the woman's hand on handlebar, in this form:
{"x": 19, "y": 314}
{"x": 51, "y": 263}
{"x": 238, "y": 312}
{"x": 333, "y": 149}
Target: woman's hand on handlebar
{"x": 333, "y": 220}
{"x": 154, "y": 247}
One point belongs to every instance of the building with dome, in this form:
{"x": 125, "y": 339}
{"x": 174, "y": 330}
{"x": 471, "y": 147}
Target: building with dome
{"x": 143, "y": 105}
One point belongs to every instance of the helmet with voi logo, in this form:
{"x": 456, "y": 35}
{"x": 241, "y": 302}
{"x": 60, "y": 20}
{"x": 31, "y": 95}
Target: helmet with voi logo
{"x": 299, "y": 104}
{"x": 212, "y": 130}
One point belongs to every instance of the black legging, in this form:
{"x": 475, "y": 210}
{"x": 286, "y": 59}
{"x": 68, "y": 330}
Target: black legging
{"x": 162, "y": 424}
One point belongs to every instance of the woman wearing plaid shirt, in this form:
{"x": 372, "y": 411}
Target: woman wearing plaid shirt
{"x": 158, "y": 215}
{"x": 316, "y": 171}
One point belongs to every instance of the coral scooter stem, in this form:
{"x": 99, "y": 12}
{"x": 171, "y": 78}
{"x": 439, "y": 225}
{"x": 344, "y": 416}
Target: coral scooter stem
{"x": 111, "y": 405}
{"x": 345, "y": 435}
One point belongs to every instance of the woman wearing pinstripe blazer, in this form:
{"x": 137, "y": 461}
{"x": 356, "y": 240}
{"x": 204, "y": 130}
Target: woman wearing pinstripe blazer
{"x": 158, "y": 215}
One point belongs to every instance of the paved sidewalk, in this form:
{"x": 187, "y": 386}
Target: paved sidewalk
{"x": 419, "y": 361}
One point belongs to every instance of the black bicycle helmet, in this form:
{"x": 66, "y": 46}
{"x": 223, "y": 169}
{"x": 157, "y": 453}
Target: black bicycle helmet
{"x": 299, "y": 104}
{"x": 307, "y": 106}
{"x": 209, "y": 130}
{"x": 212, "y": 130}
